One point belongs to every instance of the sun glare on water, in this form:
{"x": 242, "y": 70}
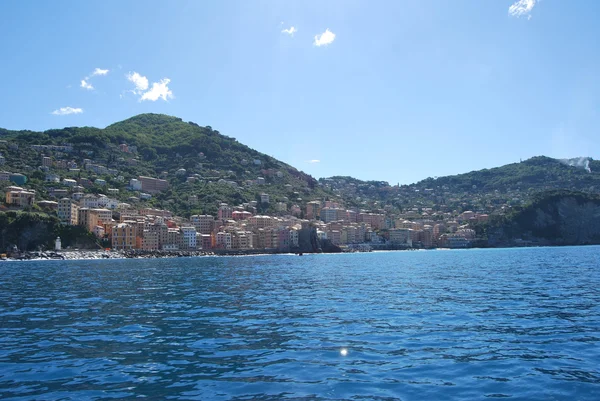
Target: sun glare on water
{"x": 343, "y": 352}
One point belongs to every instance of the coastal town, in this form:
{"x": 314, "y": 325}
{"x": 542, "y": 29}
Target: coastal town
{"x": 76, "y": 200}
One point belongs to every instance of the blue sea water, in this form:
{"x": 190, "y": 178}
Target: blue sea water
{"x": 522, "y": 324}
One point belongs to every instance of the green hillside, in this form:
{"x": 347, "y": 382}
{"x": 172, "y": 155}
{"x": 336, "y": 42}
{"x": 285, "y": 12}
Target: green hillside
{"x": 163, "y": 145}
{"x": 486, "y": 190}
{"x": 205, "y": 168}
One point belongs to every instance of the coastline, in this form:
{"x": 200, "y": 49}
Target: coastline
{"x": 139, "y": 254}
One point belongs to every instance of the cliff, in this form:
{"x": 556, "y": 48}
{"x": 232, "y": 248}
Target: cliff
{"x": 552, "y": 218}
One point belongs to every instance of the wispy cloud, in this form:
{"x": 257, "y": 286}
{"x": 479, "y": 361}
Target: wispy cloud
{"x": 325, "y": 38}
{"x": 99, "y": 71}
{"x": 86, "y": 85}
{"x": 313, "y": 161}
{"x": 290, "y": 31}
{"x": 64, "y": 111}
{"x": 140, "y": 82}
{"x": 521, "y": 8}
{"x": 159, "y": 90}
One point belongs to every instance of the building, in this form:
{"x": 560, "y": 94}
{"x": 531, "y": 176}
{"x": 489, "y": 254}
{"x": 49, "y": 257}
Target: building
{"x": 225, "y": 212}
{"x": 87, "y": 218}
{"x": 264, "y": 198}
{"x": 68, "y": 211}
{"x": 376, "y": 221}
{"x": 148, "y": 211}
{"x": 52, "y": 178}
{"x": 123, "y": 236}
{"x": 135, "y": 184}
{"x": 329, "y": 214}
{"x": 224, "y": 240}
{"x": 150, "y": 240}
{"x": 153, "y": 185}
{"x": 174, "y": 240}
{"x": 261, "y": 221}
{"x": 241, "y": 215}
{"x": 104, "y": 216}
{"x": 89, "y": 201}
{"x": 19, "y": 197}
{"x": 99, "y": 231}
{"x": 207, "y": 241}
{"x": 18, "y": 179}
{"x": 204, "y": 223}
{"x": 313, "y": 210}
{"x": 46, "y": 161}
{"x": 294, "y": 242}
{"x": 401, "y": 237}
{"x": 189, "y": 237}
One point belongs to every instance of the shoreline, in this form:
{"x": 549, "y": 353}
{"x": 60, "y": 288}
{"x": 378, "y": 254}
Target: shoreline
{"x": 139, "y": 254}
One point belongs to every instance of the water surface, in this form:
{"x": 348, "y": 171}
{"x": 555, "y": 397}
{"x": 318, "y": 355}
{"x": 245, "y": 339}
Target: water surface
{"x": 440, "y": 325}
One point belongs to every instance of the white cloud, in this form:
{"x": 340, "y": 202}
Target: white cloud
{"x": 159, "y": 90}
{"x": 325, "y": 38}
{"x": 521, "y": 8}
{"x": 99, "y": 71}
{"x": 85, "y": 81}
{"x": 140, "y": 81}
{"x": 290, "y": 31}
{"x": 313, "y": 161}
{"x": 86, "y": 85}
{"x": 63, "y": 111}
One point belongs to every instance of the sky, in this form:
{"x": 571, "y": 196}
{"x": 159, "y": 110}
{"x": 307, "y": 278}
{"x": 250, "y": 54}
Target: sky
{"x": 393, "y": 90}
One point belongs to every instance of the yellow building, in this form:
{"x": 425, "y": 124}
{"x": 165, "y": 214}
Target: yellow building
{"x": 16, "y": 196}
{"x": 88, "y": 218}
{"x": 123, "y": 236}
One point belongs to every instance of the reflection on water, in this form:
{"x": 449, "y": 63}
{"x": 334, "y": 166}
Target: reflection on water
{"x": 521, "y": 323}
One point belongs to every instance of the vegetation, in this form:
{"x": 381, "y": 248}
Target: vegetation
{"x": 30, "y": 231}
{"x": 205, "y": 168}
{"x": 558, "y": 217}
{"x": 488, "y": 190}
{"x": 163, "y": 146}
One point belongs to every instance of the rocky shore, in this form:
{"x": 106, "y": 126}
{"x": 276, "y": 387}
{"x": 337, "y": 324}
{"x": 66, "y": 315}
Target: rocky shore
{"x": 130, "y": 254}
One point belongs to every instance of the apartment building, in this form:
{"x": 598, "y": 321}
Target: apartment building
{"x": 153, "y": 185}
{"x": 204, "y": 223}
{"x": 123, "y": 236}
{"x": 68, "y": 211}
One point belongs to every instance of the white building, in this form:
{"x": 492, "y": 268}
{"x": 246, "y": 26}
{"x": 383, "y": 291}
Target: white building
{"x": 135, "y": 184}
{"x": 90, "y": 201}
{"x": 189, "y": 237}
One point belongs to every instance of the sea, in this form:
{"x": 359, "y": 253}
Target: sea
{"x": 521, "y": 324}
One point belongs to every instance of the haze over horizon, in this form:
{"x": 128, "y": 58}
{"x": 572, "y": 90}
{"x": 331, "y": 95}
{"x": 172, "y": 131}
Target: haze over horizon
{"x": 396, "y": 91}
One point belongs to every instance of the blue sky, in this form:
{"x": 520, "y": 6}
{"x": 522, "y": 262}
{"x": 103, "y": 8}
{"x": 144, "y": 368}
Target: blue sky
{"x": 388, "y": 90}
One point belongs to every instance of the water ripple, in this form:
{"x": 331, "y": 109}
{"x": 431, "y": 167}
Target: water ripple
{"x": 454, "y": 325}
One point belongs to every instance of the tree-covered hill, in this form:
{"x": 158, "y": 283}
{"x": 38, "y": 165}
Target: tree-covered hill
{"x": 537, "y": 172}
{"x": 484, "y": 190}
{"x": 205, "y": 168}
{"x": 223, "y": 169}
